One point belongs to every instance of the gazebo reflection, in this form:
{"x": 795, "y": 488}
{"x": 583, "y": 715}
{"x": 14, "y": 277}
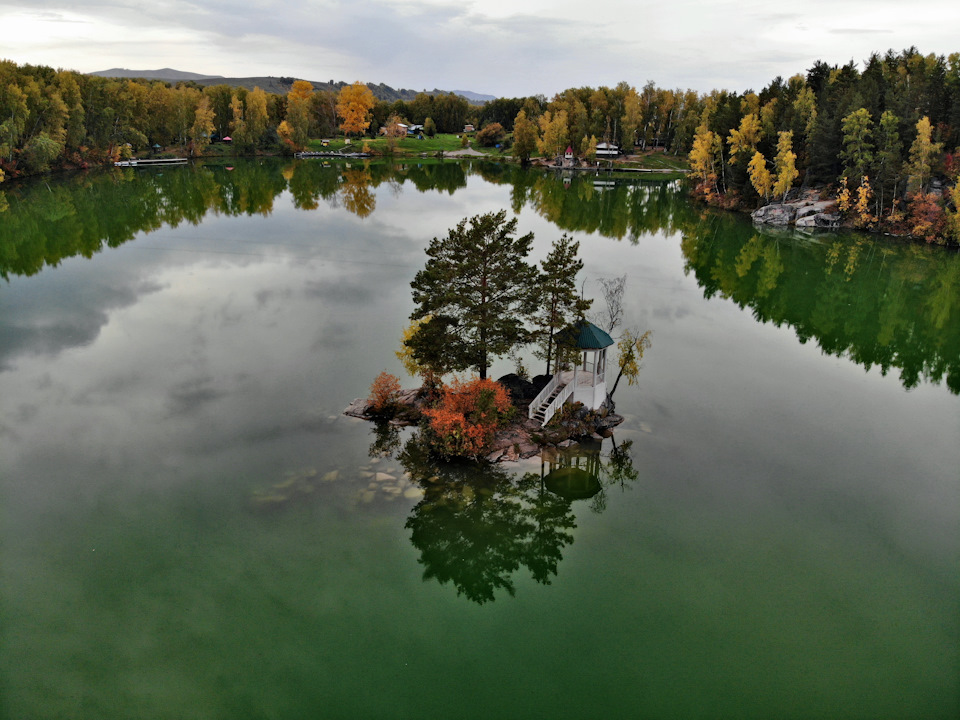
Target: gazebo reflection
{"x": 573, "y": 473}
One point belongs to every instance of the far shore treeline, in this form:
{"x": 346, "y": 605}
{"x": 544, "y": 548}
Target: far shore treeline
{"x": 883, "y": 139}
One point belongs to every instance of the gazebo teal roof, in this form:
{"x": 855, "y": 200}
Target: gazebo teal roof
{"x": 585, "y": 336}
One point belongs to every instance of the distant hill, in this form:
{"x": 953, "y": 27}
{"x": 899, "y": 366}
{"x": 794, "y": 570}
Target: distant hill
{"x": 162, "y": 74}
{"x": 280, "y": 85}
{"x": 475, "y": 98}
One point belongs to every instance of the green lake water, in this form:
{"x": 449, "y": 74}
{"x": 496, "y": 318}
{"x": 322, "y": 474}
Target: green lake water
{"x": 190, "y": 528}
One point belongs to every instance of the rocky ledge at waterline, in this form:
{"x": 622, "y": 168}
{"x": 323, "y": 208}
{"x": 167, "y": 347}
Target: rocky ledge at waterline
{"x": 522, "y": 438}
{"x": 807, "y": 211}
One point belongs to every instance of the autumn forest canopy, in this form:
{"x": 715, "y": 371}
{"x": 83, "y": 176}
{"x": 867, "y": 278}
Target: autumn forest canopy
{"x": 883, "y": 135}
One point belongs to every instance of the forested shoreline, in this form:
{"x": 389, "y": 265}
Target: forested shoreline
{"x": 882, "y": 140}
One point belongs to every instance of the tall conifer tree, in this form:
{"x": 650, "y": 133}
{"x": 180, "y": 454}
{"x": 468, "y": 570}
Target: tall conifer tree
{"x": 479, "y": 288}
{"x": 559, "y": 302}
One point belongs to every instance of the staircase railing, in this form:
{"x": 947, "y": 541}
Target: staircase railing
{"x": 543, "y": 395}
{"x": 559, "y": 400}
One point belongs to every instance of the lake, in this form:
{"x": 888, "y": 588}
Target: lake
{"x": 191, "y": 528}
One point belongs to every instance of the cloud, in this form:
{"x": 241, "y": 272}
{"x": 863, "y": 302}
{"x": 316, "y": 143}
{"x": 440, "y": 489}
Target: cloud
{"x": 188, "y": 397}
{"x": 504, "y": 48}
{"x": 859, "y": 31}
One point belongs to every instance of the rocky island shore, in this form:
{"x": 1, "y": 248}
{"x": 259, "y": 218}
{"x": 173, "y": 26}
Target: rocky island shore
{"x": 523, "y": 438}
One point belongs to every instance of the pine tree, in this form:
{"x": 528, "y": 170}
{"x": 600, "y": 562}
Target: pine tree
{"x": 479, "y": 289}
{"x": 559, "y": 303}
{"x": 857, "y": 153}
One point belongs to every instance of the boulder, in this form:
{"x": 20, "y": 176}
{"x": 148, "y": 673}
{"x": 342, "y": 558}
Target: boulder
{"x": 359, "y": 408}
{"x": 540, "y": 382}
{"x": 814, "y": 208}
{"x": 609, "y": 422}
{"x": 819, "y": 220}
{"x": 775, "y": 214}
{"x": 518, "y": 387}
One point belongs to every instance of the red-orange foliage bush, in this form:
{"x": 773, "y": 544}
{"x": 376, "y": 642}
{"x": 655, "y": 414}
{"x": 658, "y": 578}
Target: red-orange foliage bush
{"x": 467, "y": 416}
{"x": 384, "y": 391}
{"x": 926, "y": 216}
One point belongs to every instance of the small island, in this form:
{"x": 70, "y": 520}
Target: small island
{"x": 478, "y": 298}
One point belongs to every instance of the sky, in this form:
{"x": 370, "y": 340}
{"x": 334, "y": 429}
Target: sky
{"x": 507, "y": 48}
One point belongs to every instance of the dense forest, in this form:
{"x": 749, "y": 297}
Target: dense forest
{"x": 882, "y": 139}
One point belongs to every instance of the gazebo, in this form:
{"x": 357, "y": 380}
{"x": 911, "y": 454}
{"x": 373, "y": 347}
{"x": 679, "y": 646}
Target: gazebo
{"x": 585, "y": 383}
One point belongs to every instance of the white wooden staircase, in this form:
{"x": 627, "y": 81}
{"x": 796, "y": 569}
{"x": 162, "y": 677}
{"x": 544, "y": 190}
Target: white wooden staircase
{"x": 546, "y": 404}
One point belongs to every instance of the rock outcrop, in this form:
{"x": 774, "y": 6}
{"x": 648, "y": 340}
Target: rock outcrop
{"x": 775, "y": 214}
{"x": 808, "y": 211}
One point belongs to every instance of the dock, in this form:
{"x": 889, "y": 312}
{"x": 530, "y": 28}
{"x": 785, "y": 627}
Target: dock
{"x": 331, "y": 154}
{"x": 615, "y": 169}
{"x": 144, "y": 163}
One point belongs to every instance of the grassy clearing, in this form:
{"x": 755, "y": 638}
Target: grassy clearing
{"x": 405, "y": 146}
{"x": 657, "y": 160}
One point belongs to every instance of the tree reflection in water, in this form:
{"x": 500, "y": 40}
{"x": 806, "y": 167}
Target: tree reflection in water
{"x": 880, "y": 303}
{"x": 478, "y": 524}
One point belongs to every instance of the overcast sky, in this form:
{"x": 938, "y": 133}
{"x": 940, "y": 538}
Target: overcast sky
{"x": 499, "y": 47}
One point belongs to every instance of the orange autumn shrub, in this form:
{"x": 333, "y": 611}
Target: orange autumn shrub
{"x": 464, "y": 421}
{"x": 383, "y": 392}
{"x": 926, "y": 218}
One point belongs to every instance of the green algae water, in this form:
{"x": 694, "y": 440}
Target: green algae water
{"x": 190, "y": 528}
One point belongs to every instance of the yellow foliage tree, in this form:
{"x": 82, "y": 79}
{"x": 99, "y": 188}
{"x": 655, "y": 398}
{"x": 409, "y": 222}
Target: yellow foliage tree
{"x": 706, "y": 146}
{"x": 554, "y": 139}
{"x": 298, "y": 114}
{"x": 202, "y": 126}
{"x": 760, "y": 176}
{"x": 300, "y": 91}
{"x": 805, "y": 106}
{"x": 858, "y": 207}
{"x": 923, "y": 151}
{"x": 525, "y": 136}
{"x": 745, "y": 138}
{"x": 238, "y": 126}
{"x": 590, "y": 147}
{"x": 285, "y": 133}
{"x": 785, "y": 164}
{"x": 750, "y": 104}
{"x": 354, "y": 102}
{"x": 405, "y": 353}
{"x": 630, "y": 349}
{"x": 257, "y": 116}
